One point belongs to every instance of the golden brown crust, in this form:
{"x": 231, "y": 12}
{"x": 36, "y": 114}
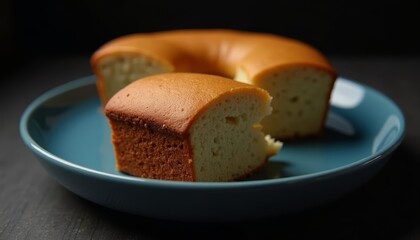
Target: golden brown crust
{"x": 152, "y": 99}
{"x": 148, "y": 153}
{"x": 219, "y": 52}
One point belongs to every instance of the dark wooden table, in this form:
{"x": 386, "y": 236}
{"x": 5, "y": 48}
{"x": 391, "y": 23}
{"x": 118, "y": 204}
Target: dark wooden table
{"x": 34, "y": 206}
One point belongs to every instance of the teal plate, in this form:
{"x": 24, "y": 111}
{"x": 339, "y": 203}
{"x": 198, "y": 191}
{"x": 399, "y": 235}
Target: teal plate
{"x": 67, "y": 130}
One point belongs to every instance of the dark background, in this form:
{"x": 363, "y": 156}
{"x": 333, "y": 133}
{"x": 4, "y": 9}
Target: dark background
{"x": 336, "y": 27}
{"x": 44, "y": 44}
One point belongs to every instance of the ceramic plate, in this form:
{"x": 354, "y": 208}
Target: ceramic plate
{"x": 66, "y": 129}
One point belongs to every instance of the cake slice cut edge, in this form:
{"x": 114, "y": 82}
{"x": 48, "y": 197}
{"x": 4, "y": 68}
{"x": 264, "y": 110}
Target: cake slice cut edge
{"x": 220, "y": 139}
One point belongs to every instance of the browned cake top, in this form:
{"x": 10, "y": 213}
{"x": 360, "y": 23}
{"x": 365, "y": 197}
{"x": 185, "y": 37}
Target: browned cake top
{"x": 173, "y": 101}
{"x": 217, "y": 51}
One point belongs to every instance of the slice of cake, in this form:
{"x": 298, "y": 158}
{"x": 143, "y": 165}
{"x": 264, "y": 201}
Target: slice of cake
{"x": 190, "y": 127}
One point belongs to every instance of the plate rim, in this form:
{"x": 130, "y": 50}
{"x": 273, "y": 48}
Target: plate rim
{"x": 90, "y": 80}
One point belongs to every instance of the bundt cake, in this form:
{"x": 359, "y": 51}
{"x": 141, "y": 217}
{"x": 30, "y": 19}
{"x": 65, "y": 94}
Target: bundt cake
{"x": 299, "y": 77}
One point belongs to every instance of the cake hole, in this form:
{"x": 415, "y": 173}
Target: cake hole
{"x": 252, "y": 107}
{"x": 294, "y": 99}
{"x": 244, "y": 117}
{"x": 232, "y": 120}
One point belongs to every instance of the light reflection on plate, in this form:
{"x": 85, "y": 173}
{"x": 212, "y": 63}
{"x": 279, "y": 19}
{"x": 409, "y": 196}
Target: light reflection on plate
{"x": 346, "y": 94}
